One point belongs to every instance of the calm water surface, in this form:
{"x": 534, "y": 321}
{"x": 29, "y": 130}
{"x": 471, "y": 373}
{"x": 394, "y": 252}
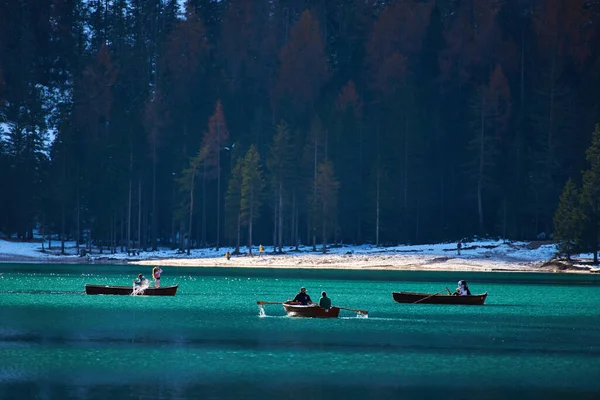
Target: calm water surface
{"x": 538, "y": 336}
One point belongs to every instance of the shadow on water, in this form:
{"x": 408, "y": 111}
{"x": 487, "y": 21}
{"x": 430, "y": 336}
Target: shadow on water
{"x": 269, "y": 389}
{"x": 342, "y": 343}
{"x": 60, "y": 292}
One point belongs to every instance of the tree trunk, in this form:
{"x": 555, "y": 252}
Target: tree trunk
{"x": 128, "y": 243}
{"x": 280, "y": 218}
{"x": 250, "y": 232}
{"x": 295, "y": 222}
{"x": 481, "y": 164}
{"x": 43, "y": 237}
{"x": 203, "y": 232}
{"x": 154, "y": 216}
{"x": 314, "y": 229}
{"x": 189, "y": 243}
{"x": 218, "y": 186}
{"x": 78, "y": 235}
{"x": 275, "y": 215}
{"x": 62, "y": 229}
{"x": 377, "y": 208}
{"x": 239, "y": 233}
{"x": 324, "y": 233}
{"x": 139, "y": 246}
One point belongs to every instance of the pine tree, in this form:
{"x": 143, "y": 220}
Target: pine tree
{"x": 233, "y": 205}
{"x": 568, "y": 221}
{"x": 349, "y": 148}
{"x": 156, "y": 118}
{"x": 251, "y": 191}
{"x": 491, "y": 112}
{"x": 187, "y": 182}
{"x": 280, "y": 166}
{"x": 213, "y": 143}
{"x": 326, "y": 201}
{"x": 590, "y": 195}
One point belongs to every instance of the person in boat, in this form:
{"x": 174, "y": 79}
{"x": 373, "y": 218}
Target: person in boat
{"x": 156, "y": 271}
{"x": 324, "y": 301}
{"x": 140, "y": 280}
{"x": 303, "y": 297}
{"x": 462, "y": 289}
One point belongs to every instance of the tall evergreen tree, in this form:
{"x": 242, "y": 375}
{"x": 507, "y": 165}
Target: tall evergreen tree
{"x": 251, "y": 191}
{"x": 280, "y": 167}
{"x": 568, "y": 221}
{"x": 233, "y": 205}
{"x": 590, "y": 195}
{"x": 325, "y": 203}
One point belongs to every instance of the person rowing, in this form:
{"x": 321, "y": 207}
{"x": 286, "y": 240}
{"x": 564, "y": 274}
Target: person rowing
{"x": 140, "y": 281}
{"x": 140, "y": 284}
{"x": 462, "y": 289}
{"x": 303, "y": 297}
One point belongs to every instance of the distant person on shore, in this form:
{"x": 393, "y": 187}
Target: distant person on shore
{"x": 228, "y": 255}
{"x": 462, "y": 289}
{"x": 458, "y": 247}
{"x": 156, "y": 271}
{"x": 302, "y": 297}
{"x": 325, "y": 302}
{"x": 261, "y": 250}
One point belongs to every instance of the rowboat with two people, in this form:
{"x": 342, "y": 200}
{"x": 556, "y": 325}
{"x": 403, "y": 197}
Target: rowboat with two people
{"x": 141, "y": 287}
{"x": 302, "y": 306}
{"x": 129, "y": 290}
{"x": 462, "y": 296}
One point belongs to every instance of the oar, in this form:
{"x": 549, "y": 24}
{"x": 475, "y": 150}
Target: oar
{"x": 260, "y": 303}
{"x": 425, "y": 298}
{"x": 449, "y": 292}
{"x": 357, "y": 311}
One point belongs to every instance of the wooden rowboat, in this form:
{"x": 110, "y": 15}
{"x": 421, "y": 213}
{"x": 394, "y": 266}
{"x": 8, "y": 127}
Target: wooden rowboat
{"x": 427, "y": 298}
{"x": 310, "y": 311}
{"x": 128, "y": 290}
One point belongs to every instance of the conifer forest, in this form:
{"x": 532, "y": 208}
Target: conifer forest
{"x": 223, "y": 123}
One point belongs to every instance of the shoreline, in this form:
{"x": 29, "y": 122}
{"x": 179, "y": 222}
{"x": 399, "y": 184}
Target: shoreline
{"x": 358, "y": 262}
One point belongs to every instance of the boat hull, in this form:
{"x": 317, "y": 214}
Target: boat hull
{"x": 311, "y": 311}
{"x": 128, "y": 290}
{"x": 428, "y": 298}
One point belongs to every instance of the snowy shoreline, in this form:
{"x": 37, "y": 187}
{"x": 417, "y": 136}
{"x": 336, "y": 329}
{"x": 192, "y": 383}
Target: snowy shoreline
{"x": 485, "y": 256}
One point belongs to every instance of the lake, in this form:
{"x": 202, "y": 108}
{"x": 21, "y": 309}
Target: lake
{"x": 537, "y": 336}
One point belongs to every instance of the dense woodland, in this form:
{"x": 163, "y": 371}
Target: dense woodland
{"x": 144, "y": 123}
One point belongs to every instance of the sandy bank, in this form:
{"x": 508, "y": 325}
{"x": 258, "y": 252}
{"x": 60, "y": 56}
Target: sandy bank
{"x": 354, "y": 262}
{"x": 485, "y": 256}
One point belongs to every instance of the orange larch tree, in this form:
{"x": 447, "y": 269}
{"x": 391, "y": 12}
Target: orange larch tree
{"x": 303, "y": 67}
{"x": 213, "y": 143}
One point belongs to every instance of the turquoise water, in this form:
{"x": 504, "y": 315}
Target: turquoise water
{"x": 538, "y": 336}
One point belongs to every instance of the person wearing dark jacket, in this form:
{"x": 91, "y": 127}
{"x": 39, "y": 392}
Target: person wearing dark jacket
{"x": 302, "y": 297}
{"x": 325, "y": 302}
